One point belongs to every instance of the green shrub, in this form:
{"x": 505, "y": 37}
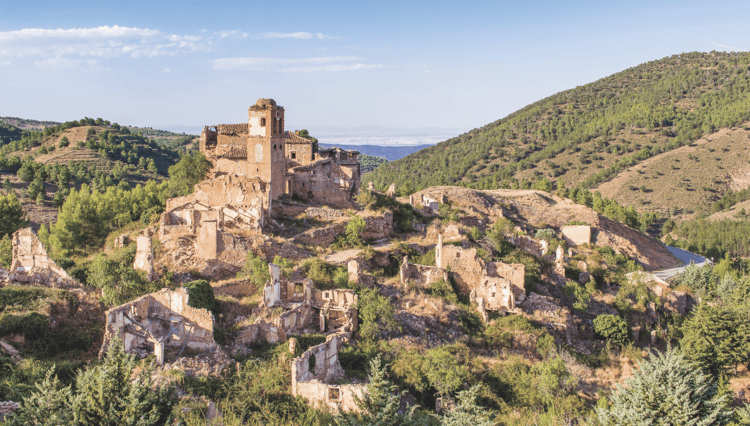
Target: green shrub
{"x": 41, "y": 341}
{"x": 375, "y": 313}
{"x": 612, "y": 328}
{"x": 256, "y": 270}
{"x": 443, "y": 290}
{"x": 201, "y": 295}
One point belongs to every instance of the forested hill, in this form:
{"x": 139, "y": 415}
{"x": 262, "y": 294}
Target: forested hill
{"x": 588, "y": 134}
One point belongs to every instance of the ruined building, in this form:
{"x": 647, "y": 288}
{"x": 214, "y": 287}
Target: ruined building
{"x": 495, "y": 286}
{"x": 253, "y": 164}
{"x": 159, "y": 321}
{"x": 31, "y": 263}
{"x": 261, "y": 149}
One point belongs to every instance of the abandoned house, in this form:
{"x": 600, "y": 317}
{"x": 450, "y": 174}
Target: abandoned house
{"x": 159, "y": 321}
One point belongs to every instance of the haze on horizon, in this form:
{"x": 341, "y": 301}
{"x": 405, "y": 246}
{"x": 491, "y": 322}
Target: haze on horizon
{"x": 392, "y": 64}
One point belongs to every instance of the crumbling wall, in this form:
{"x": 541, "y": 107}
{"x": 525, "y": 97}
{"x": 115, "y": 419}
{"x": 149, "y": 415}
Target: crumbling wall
{"x": 316, "y": 384}
{"x": 31, "y": 263}
{"x": 327, "y": 182}
{"x": 470, "y": 271}
{"x": 576, "y": 235}
{"x": 144, "y": 255}
{"x": 531, "y": 245}
{"x": 421, "y": 275}
{"x": 163, "y": 314}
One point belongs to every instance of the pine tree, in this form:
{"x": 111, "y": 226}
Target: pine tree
{"x": 49, "y": 405}
{"x": 667, "y": 390}
{"x": 716, "y": 338}
{"x": 380, "y": 404}
{"x": 467, "y": 412}
{"x": 106, "y": 394}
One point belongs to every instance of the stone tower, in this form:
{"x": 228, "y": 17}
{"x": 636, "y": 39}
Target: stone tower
{"x": 266, "y": 156}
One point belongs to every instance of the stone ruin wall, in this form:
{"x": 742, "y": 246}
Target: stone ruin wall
{"x": 421, "y": 275}
{"x": 327, "y": 182}
{"x": 31, "y": 263}
{"x": 536, "y": 247}
{"x": 470, "y": 271}
{"x": 376, "y": 227}
{"x": 193, "y": 327}
{"x": 576, "y": 235}
{"x": 317, "y": 386}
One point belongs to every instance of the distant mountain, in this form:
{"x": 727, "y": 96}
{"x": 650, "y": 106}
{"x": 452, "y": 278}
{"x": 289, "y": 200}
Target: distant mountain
{"x": 390, "y": 153}
{"x": 683, "y": 120}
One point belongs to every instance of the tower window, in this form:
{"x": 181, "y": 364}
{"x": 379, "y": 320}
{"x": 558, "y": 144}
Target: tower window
{"x": 274, "y": 146}
{"x": 263, "y": 122}
{"x": 294, "y": 155}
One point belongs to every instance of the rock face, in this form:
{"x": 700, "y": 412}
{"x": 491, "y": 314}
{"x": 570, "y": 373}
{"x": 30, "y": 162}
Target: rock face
{"x": 538, "y": 207}
{"x": 32, "y": 264}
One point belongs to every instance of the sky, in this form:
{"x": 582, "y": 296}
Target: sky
{"x": 393, "y": 64}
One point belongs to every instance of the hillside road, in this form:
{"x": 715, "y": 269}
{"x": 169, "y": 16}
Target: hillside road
{"x": 686, "y": 257}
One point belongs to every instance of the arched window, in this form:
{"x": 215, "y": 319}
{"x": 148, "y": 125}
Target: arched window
{"x": 274, "y": 147}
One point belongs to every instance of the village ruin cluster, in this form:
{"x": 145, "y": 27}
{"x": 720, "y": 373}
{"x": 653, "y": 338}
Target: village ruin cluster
{"x": 271, "y": 193}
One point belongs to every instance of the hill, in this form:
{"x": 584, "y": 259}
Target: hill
{"x": 590, "y": 134}
{"x": 390, "y": 153}
{"x": 369, "y": 163}
{"x": 40, "y": 166}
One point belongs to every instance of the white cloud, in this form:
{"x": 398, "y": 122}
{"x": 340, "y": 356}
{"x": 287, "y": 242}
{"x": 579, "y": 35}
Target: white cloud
{"x": 167, "y": 70}
{"x": 233, "y": 34}
{"x": 101, "y": 42}
{"x": 730, "y": 48}
{"x": 324, "y": 63}
{"x": 298, "y": 35}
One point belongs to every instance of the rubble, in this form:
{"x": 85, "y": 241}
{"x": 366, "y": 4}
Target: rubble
{"x": 421, "y": 275}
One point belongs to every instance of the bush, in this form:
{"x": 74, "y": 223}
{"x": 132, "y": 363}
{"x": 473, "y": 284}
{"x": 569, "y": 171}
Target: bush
{"x": 256, "y": 270}
{"x": 375, "y": 313}
{"x": 201, "y": 295}
{"x": 443, "y": 289}
{"x": 612, "y": 328}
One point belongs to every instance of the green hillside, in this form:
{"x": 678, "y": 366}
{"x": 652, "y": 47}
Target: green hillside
{"x": 369, "y": 163}
{"x": 589, "y": 134}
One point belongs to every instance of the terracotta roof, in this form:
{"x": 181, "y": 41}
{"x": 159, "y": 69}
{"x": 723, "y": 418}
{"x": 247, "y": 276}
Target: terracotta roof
{"x": 294, "y": 138}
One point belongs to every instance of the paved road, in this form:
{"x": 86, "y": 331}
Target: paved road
{"x": 686, "y": 257}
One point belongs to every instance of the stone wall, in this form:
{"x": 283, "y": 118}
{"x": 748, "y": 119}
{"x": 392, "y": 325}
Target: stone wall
{"x": 316, "y": 384}
{"x": 470, "y": 271}
{"x": 421, "y": 275}
{"x": 144, "y": 255}
{"x": 576, "y": 235}
{"x": 531, "y": 245}
{"x": 164, "y": 315}
{"x": 31, "y": 263}
{"x": 327, "y": 182}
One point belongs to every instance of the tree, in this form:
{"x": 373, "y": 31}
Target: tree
{"x": 612, "y": 328}
{"x": 715, "y": 338}
{"x": 48, "y": 405}
{"x": 104, "y": 394}
{"x": 667, "y": 390}
{"x": 375, "y": 313}
{"x": 380, "y": 404}
{"x": 40, "y": 198}
{"x": 698, "y": 278}
{"x": 12, "y": 216}
{"x": 6, "y": 251}
{"x": 190, "y": 170}
{"x": 7, "y": 186}
{"x": 201, "y": 295}
{"x": 468, "y": 412}
{"x": 107, "y": 395}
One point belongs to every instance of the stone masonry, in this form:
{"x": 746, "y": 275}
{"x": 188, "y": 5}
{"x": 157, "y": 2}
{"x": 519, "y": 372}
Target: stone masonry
{"x": 31, "y": 263}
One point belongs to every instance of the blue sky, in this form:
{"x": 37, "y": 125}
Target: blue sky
{"x": 404, "y": 64}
